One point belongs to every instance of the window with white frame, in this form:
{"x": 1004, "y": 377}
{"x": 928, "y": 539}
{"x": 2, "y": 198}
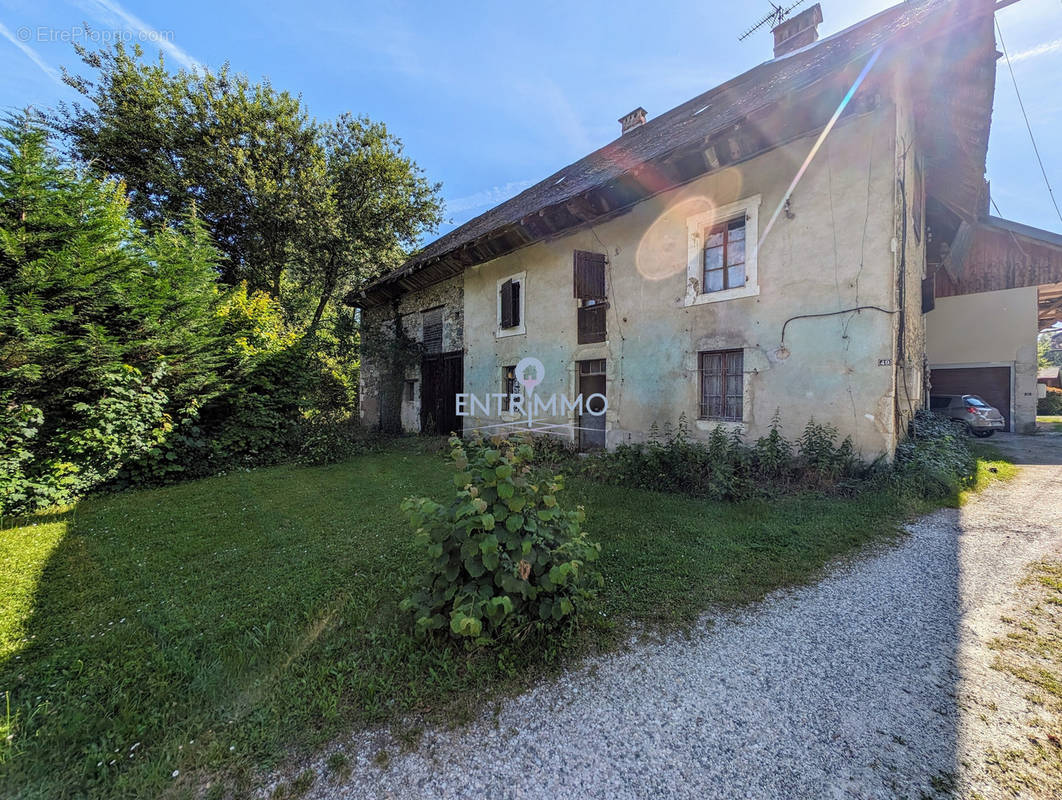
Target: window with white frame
{"x": 722, "y": 253}
{"x": 511, "y": 303}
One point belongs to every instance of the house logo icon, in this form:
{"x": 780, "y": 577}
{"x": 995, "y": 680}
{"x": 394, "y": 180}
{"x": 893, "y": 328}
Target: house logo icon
{"x": 529, "y": 373}
{"x": 553, "y": 414}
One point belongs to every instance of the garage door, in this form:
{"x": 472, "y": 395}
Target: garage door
{"x": 991, "y": 383}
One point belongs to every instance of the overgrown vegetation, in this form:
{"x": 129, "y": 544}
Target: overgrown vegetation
{"x": 506, "y": 559}
{"x": 1051, "y": 405}
{"x": 209, "y": 627}
{"x": 934, "y": 462}
{"x": 170, "y": 290}
{"x": 125, "y": 361}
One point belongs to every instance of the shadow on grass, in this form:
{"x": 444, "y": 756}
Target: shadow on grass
{"x": 208, "y": 629}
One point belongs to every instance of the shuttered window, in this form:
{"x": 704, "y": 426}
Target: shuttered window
{"x": 588, "y": 285}
{"x": 591, "y": 323}
{"x": 432, "y": 320}
{"x": 722, "y": 384}
{"x": 929, "y": 294}
{"x": 510, "y": 304}
{"x": 589, "y": 278}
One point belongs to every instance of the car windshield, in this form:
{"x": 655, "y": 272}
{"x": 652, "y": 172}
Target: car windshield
{"x": 974, "y": 400}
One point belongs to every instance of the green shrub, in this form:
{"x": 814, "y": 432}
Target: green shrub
{"x": 724, "y": 467}
{"x": 505, "y": 557}
{"x": 324, "y": 441}
{"x": 935, "y": 460}
{"x": 773, "y": 456}
{"x": 1051, "y": 405}
{"x": 824, "y": 462}
{"x": 126, "y": 421}
{"x": 19, "y": 425}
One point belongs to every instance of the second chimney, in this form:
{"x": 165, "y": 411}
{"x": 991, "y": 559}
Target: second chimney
{"x": 798, "y": 31}
{"x": 631, "y": 121}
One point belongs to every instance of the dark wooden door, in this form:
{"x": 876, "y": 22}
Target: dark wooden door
{"x": 991, "y": 384}
{"x": 441, "y": 380}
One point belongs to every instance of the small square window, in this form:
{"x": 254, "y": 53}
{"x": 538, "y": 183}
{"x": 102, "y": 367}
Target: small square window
{"x": 411, "y": 391}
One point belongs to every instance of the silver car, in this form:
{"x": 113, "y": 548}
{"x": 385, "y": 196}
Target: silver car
{"x": 979, "y": 417}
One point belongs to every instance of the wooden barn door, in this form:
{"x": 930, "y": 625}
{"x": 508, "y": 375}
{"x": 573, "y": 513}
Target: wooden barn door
{"x": 442, "y": 379}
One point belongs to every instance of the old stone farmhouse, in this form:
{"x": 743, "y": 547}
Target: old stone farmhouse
{"x": 808, "y": 240}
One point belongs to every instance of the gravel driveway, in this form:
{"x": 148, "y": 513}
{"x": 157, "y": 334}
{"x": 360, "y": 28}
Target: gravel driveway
{"x": 865, "y": 685}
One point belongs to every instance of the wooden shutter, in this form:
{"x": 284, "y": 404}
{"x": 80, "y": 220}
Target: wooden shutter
{"x": 433, "y": 330}
{"x": 507, "y": 305}
{"x": 929, "y": 294}
{"x": 591, "y": 323}
{"x": 589, "y": 275}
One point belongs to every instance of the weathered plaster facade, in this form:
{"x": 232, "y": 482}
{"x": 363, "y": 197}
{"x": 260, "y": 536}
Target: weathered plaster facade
{"x": 909, "y": 203}
{"x": 378, "y": 327}
{"x": 840, "y": 250}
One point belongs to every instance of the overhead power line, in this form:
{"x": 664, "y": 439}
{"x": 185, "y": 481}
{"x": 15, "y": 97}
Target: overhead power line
{"x": 1028, "y": 127}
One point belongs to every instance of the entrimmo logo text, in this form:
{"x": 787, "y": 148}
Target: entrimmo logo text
{"x": 526, "y": 404}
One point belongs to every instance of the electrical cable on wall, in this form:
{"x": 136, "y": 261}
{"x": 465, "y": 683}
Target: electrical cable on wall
{"x": 831, "y": 314}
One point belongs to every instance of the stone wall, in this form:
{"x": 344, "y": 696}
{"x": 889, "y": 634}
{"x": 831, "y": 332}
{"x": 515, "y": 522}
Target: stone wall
{"x": 378, "y": 336}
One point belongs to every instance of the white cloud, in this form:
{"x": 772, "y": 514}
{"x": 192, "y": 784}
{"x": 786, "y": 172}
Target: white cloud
{"x": 486, "y": 197}
{"x": 1039, "y": 50}
{"x": 31, "y": 54}
{"x": 151, "y": 34}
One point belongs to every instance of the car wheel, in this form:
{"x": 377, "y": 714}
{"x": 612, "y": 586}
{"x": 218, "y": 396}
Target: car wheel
{"x": 982, "y": 434}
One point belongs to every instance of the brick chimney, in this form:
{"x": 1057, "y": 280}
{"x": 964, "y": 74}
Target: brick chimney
{"x": 798, "y": 31}
{"x": 631, "y": 121}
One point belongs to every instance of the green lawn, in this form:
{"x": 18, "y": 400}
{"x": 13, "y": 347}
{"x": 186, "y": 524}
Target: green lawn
{"x": 1050, "y": 423}
{"x": 154, "y": 641}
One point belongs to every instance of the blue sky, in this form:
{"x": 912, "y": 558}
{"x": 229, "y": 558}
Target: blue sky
{"x": 491, "y": 97}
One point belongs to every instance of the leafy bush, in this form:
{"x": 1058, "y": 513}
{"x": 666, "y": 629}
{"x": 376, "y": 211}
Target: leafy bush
{"x": 823, "y": 460}
{"x": 505, "y": 557}
{"x": 126, "y": 362}
{"x": 1052, "y": 404}
{"x": 323, "y": 441}
{"x": 935, "y": 460}
{"x": 724, "y": 467}
{"x": 18, "y": 428}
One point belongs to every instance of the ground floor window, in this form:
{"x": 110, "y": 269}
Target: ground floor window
{"x": 508, "y": 385}
{"x": 722, "y": 384}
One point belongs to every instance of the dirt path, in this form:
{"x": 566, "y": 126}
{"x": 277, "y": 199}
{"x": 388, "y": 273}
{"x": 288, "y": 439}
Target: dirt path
{"x": 872, "y": 683}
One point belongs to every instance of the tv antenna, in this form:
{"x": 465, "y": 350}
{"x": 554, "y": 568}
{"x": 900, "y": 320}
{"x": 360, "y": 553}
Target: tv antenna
{"x": 777, "y": 16}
